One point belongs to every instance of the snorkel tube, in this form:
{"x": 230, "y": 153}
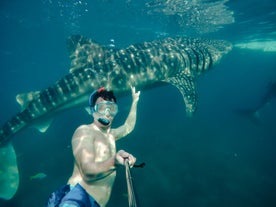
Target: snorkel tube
{"x": 103, "y": 121}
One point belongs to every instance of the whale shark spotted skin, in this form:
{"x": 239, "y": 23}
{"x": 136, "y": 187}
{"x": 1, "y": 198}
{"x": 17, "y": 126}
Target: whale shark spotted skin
{"x": 177, "y": 61}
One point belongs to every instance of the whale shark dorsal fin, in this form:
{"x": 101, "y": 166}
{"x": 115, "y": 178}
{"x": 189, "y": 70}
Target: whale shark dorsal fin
{"x": 84, "y": 52}
{"x": 25, "y": 98}
{"x": 186, "y": 85}
{"x": 76, "y": 41}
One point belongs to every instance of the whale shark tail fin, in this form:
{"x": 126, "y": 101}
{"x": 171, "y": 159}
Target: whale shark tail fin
{"x": 9, "y": 176}
{"x": 250, "y": 114}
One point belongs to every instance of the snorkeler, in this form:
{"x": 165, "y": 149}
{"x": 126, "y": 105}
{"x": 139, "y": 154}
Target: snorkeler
{"x": 95, "y": 154}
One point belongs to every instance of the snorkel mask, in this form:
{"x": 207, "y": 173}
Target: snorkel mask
{"x": 103, "y": 108}
{"x": 106, "y": 108}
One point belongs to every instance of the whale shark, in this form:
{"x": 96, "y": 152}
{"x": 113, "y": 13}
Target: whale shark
{"x": 254, "y": 113}
{"x": 177, "y": 61}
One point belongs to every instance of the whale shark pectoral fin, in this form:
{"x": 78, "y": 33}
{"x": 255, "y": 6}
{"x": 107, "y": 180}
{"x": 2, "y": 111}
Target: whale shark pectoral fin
{"x": 25, "y": 98}
{"x": 186, "y": 85}
{"x": 43, "y": 126}
{"x": 9, "y": 176}
{"x": 88, "y": 110}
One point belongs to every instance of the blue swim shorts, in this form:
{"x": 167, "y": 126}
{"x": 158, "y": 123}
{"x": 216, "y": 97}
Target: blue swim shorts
{"x": 68, "y": 196}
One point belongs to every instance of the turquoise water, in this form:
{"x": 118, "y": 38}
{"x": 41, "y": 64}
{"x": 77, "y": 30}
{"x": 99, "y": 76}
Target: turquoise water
{"x": 216, "y": 158}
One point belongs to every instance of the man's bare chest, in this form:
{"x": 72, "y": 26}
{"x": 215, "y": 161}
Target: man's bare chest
{"x": 104, "y": 146}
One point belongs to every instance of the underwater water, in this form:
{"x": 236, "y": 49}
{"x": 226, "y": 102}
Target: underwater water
{"x": 216, "y": 158}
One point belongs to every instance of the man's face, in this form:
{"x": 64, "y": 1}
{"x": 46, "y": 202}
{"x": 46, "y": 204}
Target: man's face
{"x": 105, "y": 110}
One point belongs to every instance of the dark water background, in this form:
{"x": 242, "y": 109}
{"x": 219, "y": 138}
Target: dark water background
{"x": 216, "y": 158}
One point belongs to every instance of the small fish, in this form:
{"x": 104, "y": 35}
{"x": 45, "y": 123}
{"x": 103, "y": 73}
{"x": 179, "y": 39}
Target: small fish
{"x": 38, "y": 176}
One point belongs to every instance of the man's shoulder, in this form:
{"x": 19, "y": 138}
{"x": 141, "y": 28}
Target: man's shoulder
{"x": 82, "y": 130}
{"x": 83, "y": 127}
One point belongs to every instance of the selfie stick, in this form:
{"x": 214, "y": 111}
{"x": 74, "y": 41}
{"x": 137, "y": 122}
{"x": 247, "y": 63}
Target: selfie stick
{"x": 130, "y": 189}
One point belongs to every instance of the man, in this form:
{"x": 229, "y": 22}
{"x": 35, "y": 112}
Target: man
{"x": 95, "y": 154}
